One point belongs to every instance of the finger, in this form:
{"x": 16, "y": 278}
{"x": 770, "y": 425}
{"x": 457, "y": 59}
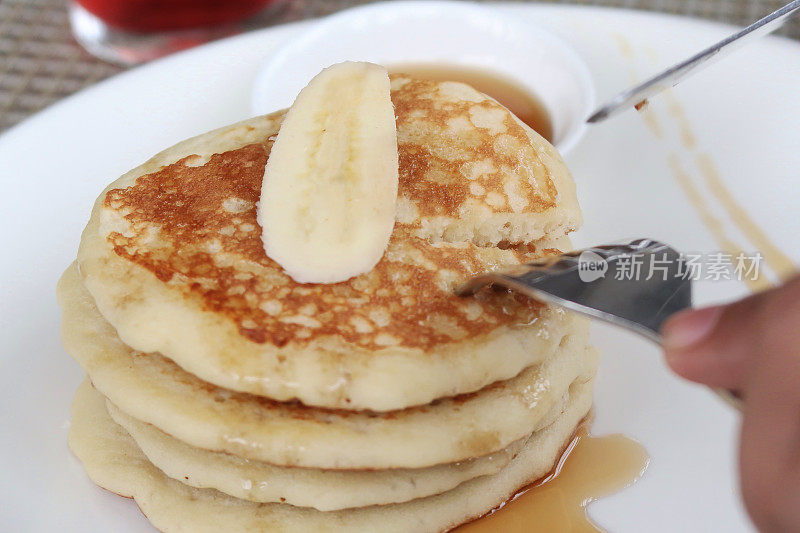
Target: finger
{"x": 713, "y": 345}
{"x": 716, "y": 345}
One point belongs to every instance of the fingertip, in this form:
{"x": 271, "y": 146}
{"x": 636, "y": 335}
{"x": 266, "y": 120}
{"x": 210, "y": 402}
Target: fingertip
{"x": 681, "y": 363}
{"x": 690, "y": 350}
{"x": 688, "y": 328}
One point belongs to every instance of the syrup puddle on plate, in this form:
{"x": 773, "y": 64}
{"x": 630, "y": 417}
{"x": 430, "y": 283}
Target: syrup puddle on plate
{"x": 510, "y": 93}
{"x": 590, "y": 468}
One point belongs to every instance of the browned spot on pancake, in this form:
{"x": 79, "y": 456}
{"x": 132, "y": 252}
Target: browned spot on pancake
{"x": 479, "y": 441}
{"x": 442, "y": 197}
{"x": 195, "y": 228}
{"x": 432, "y": 171}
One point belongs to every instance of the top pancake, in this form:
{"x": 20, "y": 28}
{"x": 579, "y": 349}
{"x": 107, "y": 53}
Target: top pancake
{"x": 173, "y": 258}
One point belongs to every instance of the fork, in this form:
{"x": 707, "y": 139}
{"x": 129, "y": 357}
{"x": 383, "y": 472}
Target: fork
{"x": 636, "y": 285}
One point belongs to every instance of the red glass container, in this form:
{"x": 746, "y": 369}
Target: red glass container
{"x": 133, "y": 31}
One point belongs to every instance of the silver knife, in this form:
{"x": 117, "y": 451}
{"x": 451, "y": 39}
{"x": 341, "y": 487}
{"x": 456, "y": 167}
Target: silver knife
{"x": 636, "y": 285}
{"x": 673, "y": 75}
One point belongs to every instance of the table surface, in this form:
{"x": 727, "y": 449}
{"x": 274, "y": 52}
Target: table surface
{"x": 40, "y": 62}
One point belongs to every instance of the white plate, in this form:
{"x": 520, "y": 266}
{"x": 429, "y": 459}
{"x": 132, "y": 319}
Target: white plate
{"x": 743, "y": 113}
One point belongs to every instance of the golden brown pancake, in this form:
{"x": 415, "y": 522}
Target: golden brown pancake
{"x": 173, "y": 258}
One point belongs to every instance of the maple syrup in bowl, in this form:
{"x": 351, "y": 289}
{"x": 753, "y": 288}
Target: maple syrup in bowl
{"x": 527, "y": 106}
{"x": 477, "y": 43}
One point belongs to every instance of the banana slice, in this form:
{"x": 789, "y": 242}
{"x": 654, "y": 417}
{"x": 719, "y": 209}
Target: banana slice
{"x": 330, "y": 186}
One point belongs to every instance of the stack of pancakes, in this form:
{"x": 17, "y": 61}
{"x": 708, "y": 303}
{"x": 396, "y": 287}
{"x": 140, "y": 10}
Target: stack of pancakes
{"x": 222, "y": 395}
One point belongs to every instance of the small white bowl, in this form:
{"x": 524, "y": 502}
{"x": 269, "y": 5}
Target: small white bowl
{"x": 457, "y": 33}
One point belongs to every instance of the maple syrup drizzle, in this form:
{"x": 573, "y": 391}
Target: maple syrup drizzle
{"x": 590, "y": 468}
{"x": 711, "y": 222}
{"x": 780, "y": 262}
{"x": 520, "y": 101}
{"x": 774, "y": 257}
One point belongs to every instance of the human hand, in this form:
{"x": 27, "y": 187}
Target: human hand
{"x": 753, "y": 347}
